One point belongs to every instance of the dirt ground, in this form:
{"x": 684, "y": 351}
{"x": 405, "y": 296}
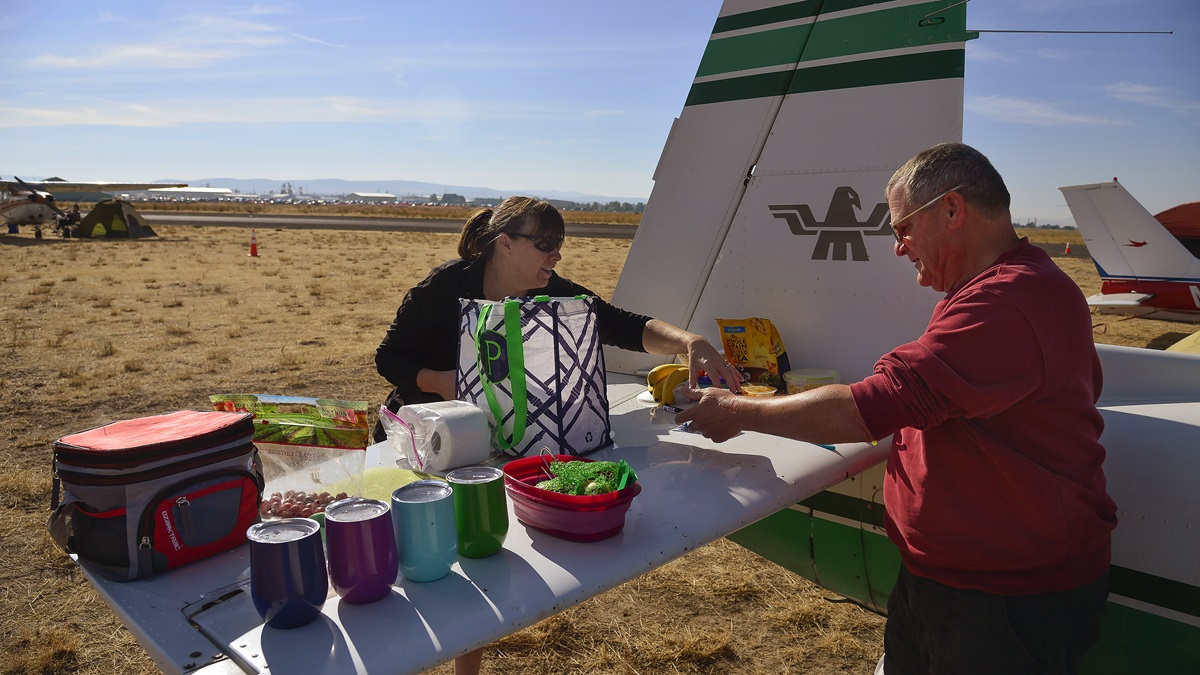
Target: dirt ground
{"x": 97, "y": 331}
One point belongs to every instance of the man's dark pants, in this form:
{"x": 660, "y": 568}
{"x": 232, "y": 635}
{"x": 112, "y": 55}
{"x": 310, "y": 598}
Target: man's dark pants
{"x": 933, "y": 629}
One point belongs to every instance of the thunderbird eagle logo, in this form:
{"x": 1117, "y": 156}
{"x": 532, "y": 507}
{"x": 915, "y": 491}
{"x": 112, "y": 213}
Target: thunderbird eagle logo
{"x": 841, "y": 231}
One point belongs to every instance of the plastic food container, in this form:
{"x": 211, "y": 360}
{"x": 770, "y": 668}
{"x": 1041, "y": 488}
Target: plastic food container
{"x": 803, "y": 379}
{"x": 758, "y": 390}
{"x": 573, "y": 517}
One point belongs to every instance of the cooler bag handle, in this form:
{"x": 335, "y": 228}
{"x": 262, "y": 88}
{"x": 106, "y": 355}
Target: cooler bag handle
{"x": 515, "y": 375}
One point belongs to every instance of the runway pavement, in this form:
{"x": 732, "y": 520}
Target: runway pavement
{"x": 355, "y": 223}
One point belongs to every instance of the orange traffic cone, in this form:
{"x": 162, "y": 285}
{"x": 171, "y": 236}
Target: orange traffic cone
{"x": 1067, "y": 251}
{"x": 253, "y": 244}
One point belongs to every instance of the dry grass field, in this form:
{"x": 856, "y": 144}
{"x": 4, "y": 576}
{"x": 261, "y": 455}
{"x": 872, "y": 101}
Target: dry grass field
{"x": 97, "y": 331}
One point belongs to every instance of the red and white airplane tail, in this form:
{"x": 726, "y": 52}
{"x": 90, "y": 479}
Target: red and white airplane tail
{"x": 1145, "y": 269}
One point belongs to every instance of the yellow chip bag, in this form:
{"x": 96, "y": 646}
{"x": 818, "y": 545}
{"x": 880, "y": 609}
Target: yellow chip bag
{"x": 754, "y": 346}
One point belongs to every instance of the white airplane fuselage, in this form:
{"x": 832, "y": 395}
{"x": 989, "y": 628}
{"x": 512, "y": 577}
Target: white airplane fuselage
{"x": 26, "y": 208}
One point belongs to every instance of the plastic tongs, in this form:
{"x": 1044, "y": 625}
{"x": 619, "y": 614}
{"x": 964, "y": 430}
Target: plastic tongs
{"x": 547, "y": 462}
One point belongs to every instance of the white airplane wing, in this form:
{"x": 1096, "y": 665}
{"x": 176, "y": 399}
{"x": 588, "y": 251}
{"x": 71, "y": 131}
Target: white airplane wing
{"x": 1118, "y": 299}
{"x": 1124, "y": 303}
{"x": 53, "y": 186}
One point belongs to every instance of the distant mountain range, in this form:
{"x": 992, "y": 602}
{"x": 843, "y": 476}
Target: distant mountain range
{"x": 399, "y": 188}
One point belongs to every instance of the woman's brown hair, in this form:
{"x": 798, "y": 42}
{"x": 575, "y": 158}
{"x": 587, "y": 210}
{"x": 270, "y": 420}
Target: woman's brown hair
{"x": 479, "y": 233}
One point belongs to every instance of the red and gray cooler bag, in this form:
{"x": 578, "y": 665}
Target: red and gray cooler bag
{"x": 143, "y": 496}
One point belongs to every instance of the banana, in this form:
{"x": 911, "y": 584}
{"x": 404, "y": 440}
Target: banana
{"x": 664, "y": 390}
{"x": 657, "y": 373}
{"x": 657, "y": 390}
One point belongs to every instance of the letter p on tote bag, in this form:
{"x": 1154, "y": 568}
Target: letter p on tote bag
{"x": 535, "y": 366}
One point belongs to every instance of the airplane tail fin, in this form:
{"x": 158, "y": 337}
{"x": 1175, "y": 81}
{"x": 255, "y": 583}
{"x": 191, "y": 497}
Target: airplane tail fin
{"x": 768, "y": 198}
{"x": 1123, "y": 239}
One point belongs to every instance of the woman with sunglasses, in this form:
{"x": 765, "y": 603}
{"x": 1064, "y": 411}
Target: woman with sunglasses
{"x": 510, "y": 251}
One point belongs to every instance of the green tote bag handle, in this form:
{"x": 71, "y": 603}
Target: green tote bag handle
{"x": 516, "y": 372}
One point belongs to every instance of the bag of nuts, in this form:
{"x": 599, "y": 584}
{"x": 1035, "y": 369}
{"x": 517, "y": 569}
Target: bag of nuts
{"x": 313, "y": 450}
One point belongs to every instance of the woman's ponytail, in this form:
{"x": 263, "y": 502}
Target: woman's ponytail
{"x": 475, "y": 235}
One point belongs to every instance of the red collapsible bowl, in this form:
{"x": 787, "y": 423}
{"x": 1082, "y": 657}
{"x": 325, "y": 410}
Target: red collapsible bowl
{"x": 573, "y": 517}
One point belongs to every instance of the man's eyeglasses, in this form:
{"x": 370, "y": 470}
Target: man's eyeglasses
{"x": 896, "y": 230}
{"x": 543, "y": 244}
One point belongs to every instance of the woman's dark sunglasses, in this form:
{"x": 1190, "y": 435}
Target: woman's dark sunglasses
{"x": 543, "y": 244}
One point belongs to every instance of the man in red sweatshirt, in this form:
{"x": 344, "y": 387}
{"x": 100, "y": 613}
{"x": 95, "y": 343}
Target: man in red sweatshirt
{"x": 995, "y": 491}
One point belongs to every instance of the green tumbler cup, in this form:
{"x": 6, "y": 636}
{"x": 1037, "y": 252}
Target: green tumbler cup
{"x": 480, "y": 510}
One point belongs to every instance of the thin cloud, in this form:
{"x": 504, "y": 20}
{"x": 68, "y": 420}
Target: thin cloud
{"x": 474, "y": 58}
{"x": 1035, "y": 113}
{"x": 598, "y": 114}
{"x": 1156, "y": 97}
{"x": 978, "y": 52}
{"x": 315, "y": 41}
{"x": 1051, "y": 54}
{"x": 1050, "y": 6}
{"x": 162, "y": 55}
{"x": 192, "y": 41}
{"x": 984, "y": 54}
{"x": 259, "y": 10}
{"x": 271, "y": 110}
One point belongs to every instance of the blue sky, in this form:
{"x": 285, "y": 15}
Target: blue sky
{"x": 550, "y": 95}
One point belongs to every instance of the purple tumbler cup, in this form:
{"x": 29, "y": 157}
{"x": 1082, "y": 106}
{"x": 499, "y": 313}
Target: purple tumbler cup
{"x": 288, "y": 581}
{"x": 361, "y": 547}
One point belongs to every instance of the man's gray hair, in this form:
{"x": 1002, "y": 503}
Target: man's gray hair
{"x": 941, "y": 167}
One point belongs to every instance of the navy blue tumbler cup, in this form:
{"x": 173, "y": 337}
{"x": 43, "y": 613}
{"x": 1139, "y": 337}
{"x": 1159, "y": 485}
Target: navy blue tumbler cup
{"x": 288, "y": 579}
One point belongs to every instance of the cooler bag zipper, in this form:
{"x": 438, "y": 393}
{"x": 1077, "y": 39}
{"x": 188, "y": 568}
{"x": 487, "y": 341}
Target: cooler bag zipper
{"x": 146, "y": 522}
{"x": 185, "y": 513}
{"x": 92, "y": 480}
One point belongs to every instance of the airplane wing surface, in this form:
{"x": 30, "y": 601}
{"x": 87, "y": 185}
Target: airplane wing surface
{"x": 1118, "y": 299}
{"x": 1122, "y": 303}
{"x": 86, "y": 186}
{"x": 694, "y": 492}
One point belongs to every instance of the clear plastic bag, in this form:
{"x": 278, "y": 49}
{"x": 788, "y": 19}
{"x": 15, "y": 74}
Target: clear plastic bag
{"x": 402, "y": 438}
{"x": 437, "y": 436}
{"x": 308, "y": 446}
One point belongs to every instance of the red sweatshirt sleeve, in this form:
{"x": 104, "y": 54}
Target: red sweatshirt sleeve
{"x": 962, "y": 366}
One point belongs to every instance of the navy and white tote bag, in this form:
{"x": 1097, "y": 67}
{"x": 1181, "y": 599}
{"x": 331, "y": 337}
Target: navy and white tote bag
{"x": 535, "y": 366}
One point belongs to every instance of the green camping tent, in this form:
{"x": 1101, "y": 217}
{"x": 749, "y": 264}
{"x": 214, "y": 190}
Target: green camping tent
{"x": 114, "y": 218}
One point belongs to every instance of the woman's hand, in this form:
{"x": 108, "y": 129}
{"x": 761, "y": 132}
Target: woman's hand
{"x": 702, "y": 355}
{"x": 440, "y": 382}
{"x": 660, "y": 337}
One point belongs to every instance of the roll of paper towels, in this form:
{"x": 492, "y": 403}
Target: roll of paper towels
{"x": 449, "y": 434}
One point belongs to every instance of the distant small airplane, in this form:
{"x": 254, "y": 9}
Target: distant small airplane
{"x": 33, "y": 203}
{"x": 1147, "y": 270}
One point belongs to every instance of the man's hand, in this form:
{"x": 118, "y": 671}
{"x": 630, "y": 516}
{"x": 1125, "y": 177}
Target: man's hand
{"x": 718, "y": 414}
